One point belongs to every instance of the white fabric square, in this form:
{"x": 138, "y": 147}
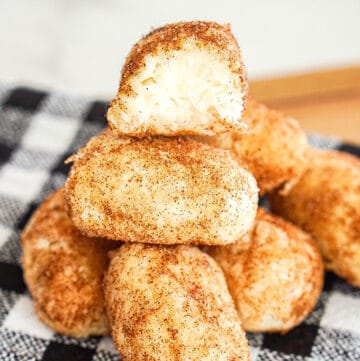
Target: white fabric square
{"x": 254, "y": 352}
{"x": 5, "y": 233}
{"x": 22, "y": 318}
{"x": 23, "y": 184}
{"x": 342, "y": 312}
{"x": 107, "y": 345}
{"x": 50, "y": 133}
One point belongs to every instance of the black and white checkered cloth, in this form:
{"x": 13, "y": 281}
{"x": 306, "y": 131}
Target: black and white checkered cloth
{"x": 38, "y": 130}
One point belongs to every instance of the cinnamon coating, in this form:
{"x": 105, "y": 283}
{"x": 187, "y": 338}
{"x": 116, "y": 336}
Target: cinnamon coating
{"x": 63, "y": 270}
{"x": 275, "y": 274}
{"x": 326, "y": 203}
{"x": 171, "y": 303}
{"x": 160, "y": 190}
{"x": 275, "y": 149}
{"x": 181, "y": 79}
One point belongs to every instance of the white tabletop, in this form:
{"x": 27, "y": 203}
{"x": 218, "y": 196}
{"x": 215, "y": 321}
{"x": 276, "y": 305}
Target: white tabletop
{"x": 80, "y": 45}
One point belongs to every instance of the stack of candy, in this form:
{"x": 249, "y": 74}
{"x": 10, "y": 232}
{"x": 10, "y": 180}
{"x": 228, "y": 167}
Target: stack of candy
{"x": 157, "y": 237}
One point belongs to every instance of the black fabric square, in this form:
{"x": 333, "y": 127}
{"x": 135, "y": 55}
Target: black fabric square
{"x": 11, "y": 278}
{"x": 340, "y": 285}
{"x": 263, "y": 202}
{"x": 62, "y": 352}
{"x": 298, "y": 341}
{"x": 5, "y": 152}
{"x": 349, "y": 148}
{"x": 26, "y": 216}
{"x": 96, "y": 113}
{"x": 329, "y": 281}
{"x": 25, "y": 98}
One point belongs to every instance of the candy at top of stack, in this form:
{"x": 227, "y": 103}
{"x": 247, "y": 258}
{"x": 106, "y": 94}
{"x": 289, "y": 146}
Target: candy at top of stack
{"x": 186, "y": 78}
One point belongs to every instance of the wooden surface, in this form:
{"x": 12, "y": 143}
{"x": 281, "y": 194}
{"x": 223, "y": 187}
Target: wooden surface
{"x": 326, "y": 102}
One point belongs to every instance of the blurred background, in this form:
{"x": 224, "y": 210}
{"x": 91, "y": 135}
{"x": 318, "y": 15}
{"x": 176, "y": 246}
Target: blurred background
{"x": 302, "y": 56}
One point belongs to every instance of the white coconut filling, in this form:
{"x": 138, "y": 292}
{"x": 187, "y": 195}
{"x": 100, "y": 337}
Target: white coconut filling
{"x": 185, "y": 88}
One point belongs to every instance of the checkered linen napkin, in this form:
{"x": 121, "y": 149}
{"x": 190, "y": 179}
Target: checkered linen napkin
{"x": 38, "y": 130}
